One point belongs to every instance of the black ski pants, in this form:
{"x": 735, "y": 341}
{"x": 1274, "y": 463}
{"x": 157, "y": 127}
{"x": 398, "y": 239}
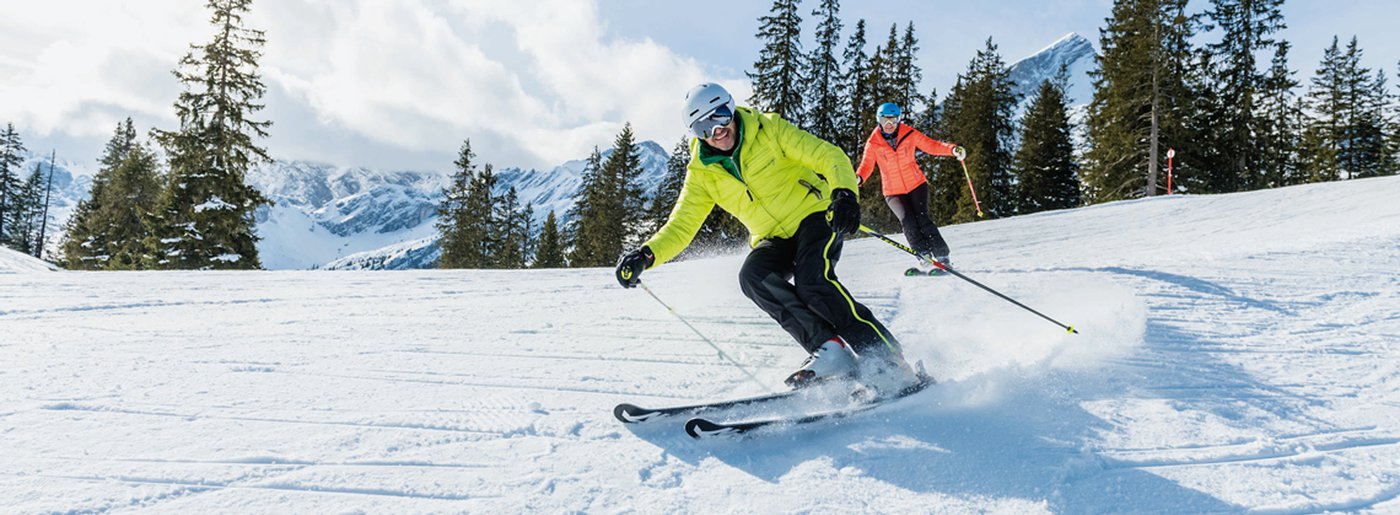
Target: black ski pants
{"x": 912, "y": 210}
{"x": 794, "y": 281}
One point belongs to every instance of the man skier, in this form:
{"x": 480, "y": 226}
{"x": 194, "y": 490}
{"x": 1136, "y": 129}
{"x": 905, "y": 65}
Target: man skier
{"x": 796, "y": 194}
{"x": 891, "y": 146}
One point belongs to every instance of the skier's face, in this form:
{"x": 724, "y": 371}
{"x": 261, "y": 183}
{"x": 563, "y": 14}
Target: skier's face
{"x": 888, "y": 123}
{"x": 723, "y": 137}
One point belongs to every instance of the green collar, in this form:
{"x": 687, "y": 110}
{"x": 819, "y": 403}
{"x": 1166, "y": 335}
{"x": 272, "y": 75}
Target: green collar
{"x": 709, "y": 155}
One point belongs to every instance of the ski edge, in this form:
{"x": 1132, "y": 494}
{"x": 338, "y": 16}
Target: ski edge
{"x": 628, "y": 413}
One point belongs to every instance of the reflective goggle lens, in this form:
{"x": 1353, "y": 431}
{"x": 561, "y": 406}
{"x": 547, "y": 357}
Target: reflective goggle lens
{"x": 889, "y": 119}
{"x": 705, "y": 127}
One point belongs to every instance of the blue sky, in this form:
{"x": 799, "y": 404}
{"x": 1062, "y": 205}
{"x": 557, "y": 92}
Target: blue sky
{"x": 400, "y": 83}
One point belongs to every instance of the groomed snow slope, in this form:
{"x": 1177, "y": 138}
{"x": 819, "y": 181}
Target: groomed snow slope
{"x": 1239, "y": 352}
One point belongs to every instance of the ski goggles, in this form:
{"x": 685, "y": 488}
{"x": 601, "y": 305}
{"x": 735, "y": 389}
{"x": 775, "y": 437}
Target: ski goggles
{"x": 704, "y": 128}
{"x": 889, "y": 119}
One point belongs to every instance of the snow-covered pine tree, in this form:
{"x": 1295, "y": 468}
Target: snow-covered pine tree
{"x": 1280, "y": 122}
{"x": 550, "y": 252}
{"x": 1046, "y": 171}
{"x": 204, "y": 218}
{"x": 124, "y": 219}
{"x": 1142, "y": 103}
{"x": 11, "y": 159}
{"x": 979, "y": 116}
{"x": 109, "y": 231}
{"x": 778, "y": 83}
{"x": 1238, "y": 83}
{"x": 860, "y": 106}
{"x": 826, "y": 94}
{"x": 459, "y": 229}
{"x": 85, "y": 240}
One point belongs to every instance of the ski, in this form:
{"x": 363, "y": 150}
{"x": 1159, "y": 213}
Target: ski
{"x": 632, "y": 414}
{"x": 700, "y": 428}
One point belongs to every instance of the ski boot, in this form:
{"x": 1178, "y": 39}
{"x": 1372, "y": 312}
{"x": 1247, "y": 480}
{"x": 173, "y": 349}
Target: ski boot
{"x": 886, "y": 372}
{"x": 924, "y": 267}
{"x": 833, "y": 360}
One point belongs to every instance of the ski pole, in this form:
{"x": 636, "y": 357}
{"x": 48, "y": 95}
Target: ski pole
{"x": 950, "y": 270}
{"x": 975, "y": 202}
{"x": 702, "y": 337}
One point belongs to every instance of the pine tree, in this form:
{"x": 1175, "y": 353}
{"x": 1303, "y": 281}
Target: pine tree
{"x": 585, "y": 227}
{"x": 1326, "y": 98}
{"x": 25, "y": 211}
{"x": 511, "y": 244}
{"x": 1142, "y": 101}
{"x": 135, "y": 185}
{"x": 827, "y": 90}
{"x": 1246, "y": 26}
{"x": 887, "y": 83}
{"x": 777, "y": 77}
{"x": 659, "y": 208}
{"x": 624, "y": 200}
{"x": 509, "y": 249}
{"x": 480, "y": 204}
{"x": 204, "y": 218}
{"x": 11, "y": 159}
{"x": 1280, "y": 122}
{"x": 460, "y": 230}
{"x": 908, "y": 74}
{"x": 1345, "y": 137}
{"x": 84, "y": 241}
{"x": 978, "y": 116}
{"x": 860, "y": 108}
{"x": 1372, "y": 146}
{"x": 108, "y": 231}
{"x": 524, "y": 233}
{"x": 550, "y": 253}
{"x": 1045, "y": 166}
{"x": 1394, "y": 131}
{"x": 946, "y": 181}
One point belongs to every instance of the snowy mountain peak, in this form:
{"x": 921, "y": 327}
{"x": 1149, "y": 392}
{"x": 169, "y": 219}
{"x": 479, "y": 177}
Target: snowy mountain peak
{"x": 1073, "y": 51}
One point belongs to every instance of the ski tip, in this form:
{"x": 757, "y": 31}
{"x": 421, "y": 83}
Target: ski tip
{"x": 624, "y": 413}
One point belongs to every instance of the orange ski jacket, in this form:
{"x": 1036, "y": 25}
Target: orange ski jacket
{"x": 900, "y": 174}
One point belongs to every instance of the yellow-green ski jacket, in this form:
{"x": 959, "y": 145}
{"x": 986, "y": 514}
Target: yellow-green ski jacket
{"x": 778, "y": 175}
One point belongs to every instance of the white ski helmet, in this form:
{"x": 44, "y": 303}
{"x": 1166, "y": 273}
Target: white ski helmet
{"x": 702, "y": 101}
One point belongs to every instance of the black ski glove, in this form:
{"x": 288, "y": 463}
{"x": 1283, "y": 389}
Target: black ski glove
{"x": 844, "y": 212}
{"x": 629, "y": 268}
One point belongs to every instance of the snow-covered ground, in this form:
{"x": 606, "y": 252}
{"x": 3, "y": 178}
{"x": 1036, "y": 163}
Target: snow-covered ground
{"x": 1238, "y": 352}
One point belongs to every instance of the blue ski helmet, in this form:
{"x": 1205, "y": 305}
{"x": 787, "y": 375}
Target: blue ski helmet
{"x": 888, "y": 109}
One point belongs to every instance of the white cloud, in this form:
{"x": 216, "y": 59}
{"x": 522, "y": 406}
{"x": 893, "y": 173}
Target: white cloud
{"x": 531, "y": 83}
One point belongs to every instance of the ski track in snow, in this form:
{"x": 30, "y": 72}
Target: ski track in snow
{"x": 1235, "y": 356}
